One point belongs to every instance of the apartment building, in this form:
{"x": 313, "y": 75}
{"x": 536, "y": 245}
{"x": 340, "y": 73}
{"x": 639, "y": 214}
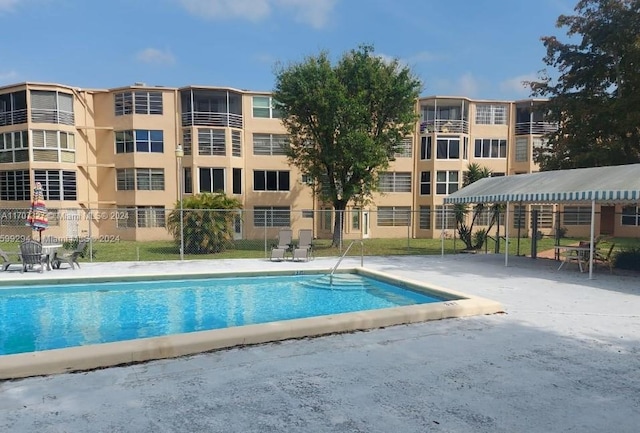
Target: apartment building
{"x": 107, "y": 161}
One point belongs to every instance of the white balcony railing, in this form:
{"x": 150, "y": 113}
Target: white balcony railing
{"x": 535, "y": 128}
{"x": 212, "y": 119}
{"x": 445, "y": 126}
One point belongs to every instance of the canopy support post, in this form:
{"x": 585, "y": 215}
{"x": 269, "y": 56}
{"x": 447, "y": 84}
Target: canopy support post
{"x": 442, "y": 232}
{"x": 506, "y": 234}
{"x": 591, "y": 240}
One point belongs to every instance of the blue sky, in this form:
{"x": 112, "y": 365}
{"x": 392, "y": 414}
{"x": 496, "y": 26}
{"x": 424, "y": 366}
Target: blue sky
{"x": 475, "y": 48}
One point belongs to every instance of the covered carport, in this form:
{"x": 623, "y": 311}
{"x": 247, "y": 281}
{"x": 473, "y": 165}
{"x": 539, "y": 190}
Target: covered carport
{"x": 597, "y": 185}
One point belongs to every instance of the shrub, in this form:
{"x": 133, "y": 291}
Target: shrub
{"x": 628, "y": 258}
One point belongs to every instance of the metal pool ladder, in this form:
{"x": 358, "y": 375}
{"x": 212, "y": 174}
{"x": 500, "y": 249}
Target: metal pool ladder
{"x": 344, "y": 254}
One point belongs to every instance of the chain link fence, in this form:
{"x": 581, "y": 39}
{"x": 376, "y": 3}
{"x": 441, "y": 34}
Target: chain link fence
{"x": 156, "y": 233}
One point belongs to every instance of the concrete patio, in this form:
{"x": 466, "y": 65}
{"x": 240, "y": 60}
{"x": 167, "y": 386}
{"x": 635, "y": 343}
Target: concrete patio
{"x": 564, "y": 357}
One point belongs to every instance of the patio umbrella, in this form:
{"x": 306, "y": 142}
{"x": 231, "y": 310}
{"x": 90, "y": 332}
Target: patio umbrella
{"x": 37, "y": 217}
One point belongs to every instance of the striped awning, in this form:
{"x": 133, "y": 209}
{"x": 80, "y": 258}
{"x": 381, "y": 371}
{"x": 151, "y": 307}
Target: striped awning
{"x": 615, "y": 184}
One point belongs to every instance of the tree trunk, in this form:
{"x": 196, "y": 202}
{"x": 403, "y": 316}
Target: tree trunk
{"x": 338, "y": 223}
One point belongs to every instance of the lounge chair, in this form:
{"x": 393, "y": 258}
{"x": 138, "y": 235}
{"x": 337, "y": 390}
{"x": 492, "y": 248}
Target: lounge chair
{"x": 285, "y": 237}
{"x": 31, "y": 255}
{"x": 607, "y": 260}
{"x": 70, "y": 257}
{"x": 304, "y": 248}
{"x": 6, "y": 261}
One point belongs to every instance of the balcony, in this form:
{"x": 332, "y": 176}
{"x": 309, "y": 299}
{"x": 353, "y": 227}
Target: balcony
{"x": 201, "y": 118}
{"x": 52, "y": 116}
{"x": 535, "y": 128}
{"x": 444, "y": 126}
{"x": 14, "y": 117}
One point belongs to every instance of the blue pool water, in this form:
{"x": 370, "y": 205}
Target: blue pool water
{"x": 38, "y": 318}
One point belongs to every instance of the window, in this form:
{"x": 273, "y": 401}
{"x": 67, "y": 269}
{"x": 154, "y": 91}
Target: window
{"x": 266, "y": 107}
{"x": 188, "y": 180}
{"x": 448, "y": 148}
{"x": 270, "y": 144}
{"x": 123, "y": 103}
{"x": 211, "y": 179}
{"x": 484, "y": 217}
{"x": 306, "y": 179}
{"x": 149, "y": 179}
{"x": 425, "y": 217}
{"x": 425, "y": 183}
{"x": 237, "y": 181}
{"x": 540, "y": 143}
{"x": 142, "y": 101}
{"x": 149, "y": 141}
{"x": 13, "y": 108}
{"x": 326, "y": 218}
{"x": 490, "y": 148}
{"x": 488, "y": 114}
{"x": 236, "y": 143}
{"x": 394, "y": 216}
{"x": 395, "y": 182}
{"x": 53, "y": 146}
{"x": 13, "y": 147}
{"x": 355, "y": 218}
{"x": 522, "y": 149}
{"x": 52, "y": 107}
{"x": 126, "y": 218}
{"x": 576, "y": 215}
{"x": 14, "y": 185}
{"x": 545, "y": 216}
{"x": 631, "y": 216}
{"x": 271, "y": 216}
{"x": 148, "y": 102}
{"x": 146, "y": 141}
{"x": 404, "y": 148}
{"x": 125, "y": 179}
{"x": 519, "y": 217}
{"x": 150, "y": 216}
{"x": 465, "y": 148}
{"x": 142, "y": 217}
{"x": 449, "y": 218}
{"x": 425, "y": 148}
{"x": 57, "y": 184}
{"x": 447, "y": 182}
{"x": 186, "y": 141}
{"x": 265, "y": 180}
{"x": 212, "y": 142}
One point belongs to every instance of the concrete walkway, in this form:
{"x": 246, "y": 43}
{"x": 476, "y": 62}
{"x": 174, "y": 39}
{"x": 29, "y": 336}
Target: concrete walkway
{"x": 565, "y": 357}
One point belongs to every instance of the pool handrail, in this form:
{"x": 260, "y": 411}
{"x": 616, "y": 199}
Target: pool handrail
{"x": 344, "y": 254}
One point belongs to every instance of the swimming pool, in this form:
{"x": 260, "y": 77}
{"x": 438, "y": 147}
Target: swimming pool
{"x": 92, "y": 323}
{"x": 53, "y": 317}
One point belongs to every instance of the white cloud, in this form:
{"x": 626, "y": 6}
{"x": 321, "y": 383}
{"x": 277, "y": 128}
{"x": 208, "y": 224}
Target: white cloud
{"x": 422, "y": 57}
{"x": 467, "y": 85}
{"x": 156, "y": 56}
{"x": 515, "y": 85}
{"x": 8, "y": 77}
{"x": 265, "y": 58}
{"x": 222, "y": 9}
{"x": 313, "y": 12}
{"x": 7, "y": 5}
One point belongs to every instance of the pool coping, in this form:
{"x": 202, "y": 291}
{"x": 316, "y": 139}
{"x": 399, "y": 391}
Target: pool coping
{"x": 105, "y": 355}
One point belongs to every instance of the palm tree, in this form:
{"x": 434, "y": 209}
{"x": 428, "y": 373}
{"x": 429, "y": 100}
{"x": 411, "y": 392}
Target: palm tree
{"x": 208, "y": 220}
{"x": 474, "y": 241}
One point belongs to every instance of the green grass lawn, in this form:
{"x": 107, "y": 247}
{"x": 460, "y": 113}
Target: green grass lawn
{"x": 167, "y": 250}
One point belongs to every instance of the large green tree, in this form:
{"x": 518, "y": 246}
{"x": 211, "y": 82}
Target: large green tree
{"x": 345, "y": 121}
{"x": 595, "y": 95}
